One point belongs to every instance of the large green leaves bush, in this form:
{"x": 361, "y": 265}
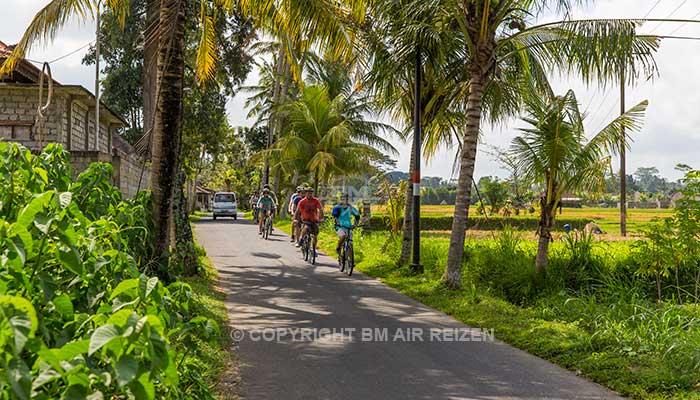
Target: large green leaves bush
{"x": 79, "y": 315}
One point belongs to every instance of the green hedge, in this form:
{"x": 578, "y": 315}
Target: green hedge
{"x": 443, "y": 223}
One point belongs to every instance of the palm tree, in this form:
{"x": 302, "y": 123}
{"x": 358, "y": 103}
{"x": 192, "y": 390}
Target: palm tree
{"x": 391, "y": 79}
{"x": 327, "y": 137}
{"x": 555, "y": 154}
{"x": 503, "y": 58}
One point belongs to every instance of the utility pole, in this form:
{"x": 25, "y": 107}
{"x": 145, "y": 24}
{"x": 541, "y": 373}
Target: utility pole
{"x": 97, "y": 80}
{"x": 623, "y": 172}
{"x": 417, "y": 135}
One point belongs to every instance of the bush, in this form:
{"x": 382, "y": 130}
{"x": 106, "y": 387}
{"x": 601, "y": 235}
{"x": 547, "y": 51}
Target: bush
{"x": 79, "y": 318}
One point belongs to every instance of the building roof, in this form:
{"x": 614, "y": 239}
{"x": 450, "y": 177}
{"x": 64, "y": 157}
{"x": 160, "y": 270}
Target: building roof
{"x": 27, "y": 75}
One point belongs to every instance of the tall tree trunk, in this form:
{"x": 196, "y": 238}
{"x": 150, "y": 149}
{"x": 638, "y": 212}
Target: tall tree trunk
{"x": 150, "y": 65}
{"x": 453, "y": 270}
{"x": 184, "y": 240}
{"x": 545, "y": 233}
{"x": 406, "y": 237}
{"x": 168, "y": 122}
{"x": 272, "y": 124}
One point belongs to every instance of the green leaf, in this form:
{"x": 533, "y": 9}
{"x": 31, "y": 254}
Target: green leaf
{"x": 64, "y": 199}
{"x": 19, "y": 377}
{"x": 26, "y": 216}
{"x": 146, "y": 286}
{"x": 126, "y": 369}
{"x": 68, "y": 352}
{"x": 70, "y": 259}
{"x": 101, "y": 337}
{"x": 143, "y": 388}
{"x": 63, "y": 305}
{"x": 74, "y": 392}
{"x": 21, "y": 316}
{"x": 19, "y": 232}
{"x": 124, "y": 286}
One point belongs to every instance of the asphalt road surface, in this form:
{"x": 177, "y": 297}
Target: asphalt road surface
{"x": 311, "y": 332}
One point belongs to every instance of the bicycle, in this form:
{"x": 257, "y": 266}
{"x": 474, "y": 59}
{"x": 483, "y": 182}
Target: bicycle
{"x": 346, "y": 259}
{"x": 267, "y": 226}
{"x": 308, "y": 242}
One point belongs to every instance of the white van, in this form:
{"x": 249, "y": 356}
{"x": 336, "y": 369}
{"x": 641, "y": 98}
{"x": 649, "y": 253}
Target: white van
{"x": 225, "y": 205}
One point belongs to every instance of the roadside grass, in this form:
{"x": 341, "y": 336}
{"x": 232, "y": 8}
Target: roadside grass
{"x": 220, "y": 367}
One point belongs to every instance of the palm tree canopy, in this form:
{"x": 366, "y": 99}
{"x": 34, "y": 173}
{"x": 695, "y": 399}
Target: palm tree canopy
{"x": 327, "y": 137}
{"x": 554, "y": 152}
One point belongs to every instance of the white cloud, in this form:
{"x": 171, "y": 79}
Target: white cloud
{"x": 670, "y": 134}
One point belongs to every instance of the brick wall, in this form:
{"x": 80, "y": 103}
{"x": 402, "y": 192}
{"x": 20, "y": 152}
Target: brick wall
{"x": 130, "y": 173}
{"x": 18, "y": 108}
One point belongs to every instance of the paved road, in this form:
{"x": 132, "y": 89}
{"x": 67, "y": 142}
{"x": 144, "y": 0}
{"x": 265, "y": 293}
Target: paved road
{"x": 269, "y": 286}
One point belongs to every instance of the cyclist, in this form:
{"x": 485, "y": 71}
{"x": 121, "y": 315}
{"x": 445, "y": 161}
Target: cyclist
{"x": 310, "y": 213}
{"x": 266, "y": 206}
{"x": 293, "y": 202}
{"x": 342, "y": 214}
{"x": 272, "y": 194}
{"x": 254, "y": 205}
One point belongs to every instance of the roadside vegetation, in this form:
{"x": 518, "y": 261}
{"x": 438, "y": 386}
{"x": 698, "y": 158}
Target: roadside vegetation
{"x": 82, "y": 312}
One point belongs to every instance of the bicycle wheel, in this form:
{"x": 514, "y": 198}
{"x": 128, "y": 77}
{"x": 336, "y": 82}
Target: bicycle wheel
{"x": 268, "y": 229}
{"x": 350, "y": 260}
{"x": 341, "y": 259}
{"x": 312, "y": 250}
{"x": 305, "y": 247}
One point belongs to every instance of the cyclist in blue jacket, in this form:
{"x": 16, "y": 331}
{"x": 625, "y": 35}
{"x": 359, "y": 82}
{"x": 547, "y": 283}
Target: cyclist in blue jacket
{"x": 343, "y": 213}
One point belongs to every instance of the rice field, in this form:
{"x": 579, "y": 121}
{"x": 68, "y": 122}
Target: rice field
{"x": 607, "y": 218}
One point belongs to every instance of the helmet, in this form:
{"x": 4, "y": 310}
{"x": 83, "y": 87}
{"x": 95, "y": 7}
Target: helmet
{"x": 266, "y": 186}
{"x": 300, "y": 188}
{"x": 266, "y": 190}
{"x": 309, "y": 190}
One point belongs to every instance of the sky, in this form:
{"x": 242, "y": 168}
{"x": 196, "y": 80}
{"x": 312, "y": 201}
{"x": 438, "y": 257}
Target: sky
{"x": 670, "y": 134}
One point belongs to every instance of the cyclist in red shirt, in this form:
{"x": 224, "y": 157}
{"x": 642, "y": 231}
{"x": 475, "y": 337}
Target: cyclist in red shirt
{"x": 310, "y": 211}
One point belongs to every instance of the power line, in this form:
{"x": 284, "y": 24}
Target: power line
{"x": 683, "y": 24}
{"x": 675, "y": 10}
{"x": 63, "y": 56}
{"x": 652, "y": 9}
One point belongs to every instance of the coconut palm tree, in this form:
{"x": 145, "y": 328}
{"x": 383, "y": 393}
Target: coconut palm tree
{"x": 327, "y": 137}
{"x": 554, "y": 153}
{"x": 502, "y": 53}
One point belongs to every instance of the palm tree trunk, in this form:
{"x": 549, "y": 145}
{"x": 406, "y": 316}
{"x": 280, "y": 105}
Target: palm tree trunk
{"x": 453, "y": 270}
{"x": 150, "y": 64}
{"x": 406, "y": 237}
{"x": 168, "y": 121}
{"x": 545, "y": 233}
{"x": 272, "y": 124}
{"x": 183, "y": 231}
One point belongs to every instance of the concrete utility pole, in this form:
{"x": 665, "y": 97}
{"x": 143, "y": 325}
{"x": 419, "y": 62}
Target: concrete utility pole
{"x": 623, "y": 172}
{"x": 97, "y": 80}
{"x": 417, "y": 135}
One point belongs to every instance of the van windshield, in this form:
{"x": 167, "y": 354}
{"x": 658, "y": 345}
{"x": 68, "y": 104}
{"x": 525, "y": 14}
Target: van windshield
{"x": 225, "y": 198}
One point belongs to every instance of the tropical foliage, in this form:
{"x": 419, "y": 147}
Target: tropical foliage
{"x": 80, "y": 313}
{"x": 554, "y": 153}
